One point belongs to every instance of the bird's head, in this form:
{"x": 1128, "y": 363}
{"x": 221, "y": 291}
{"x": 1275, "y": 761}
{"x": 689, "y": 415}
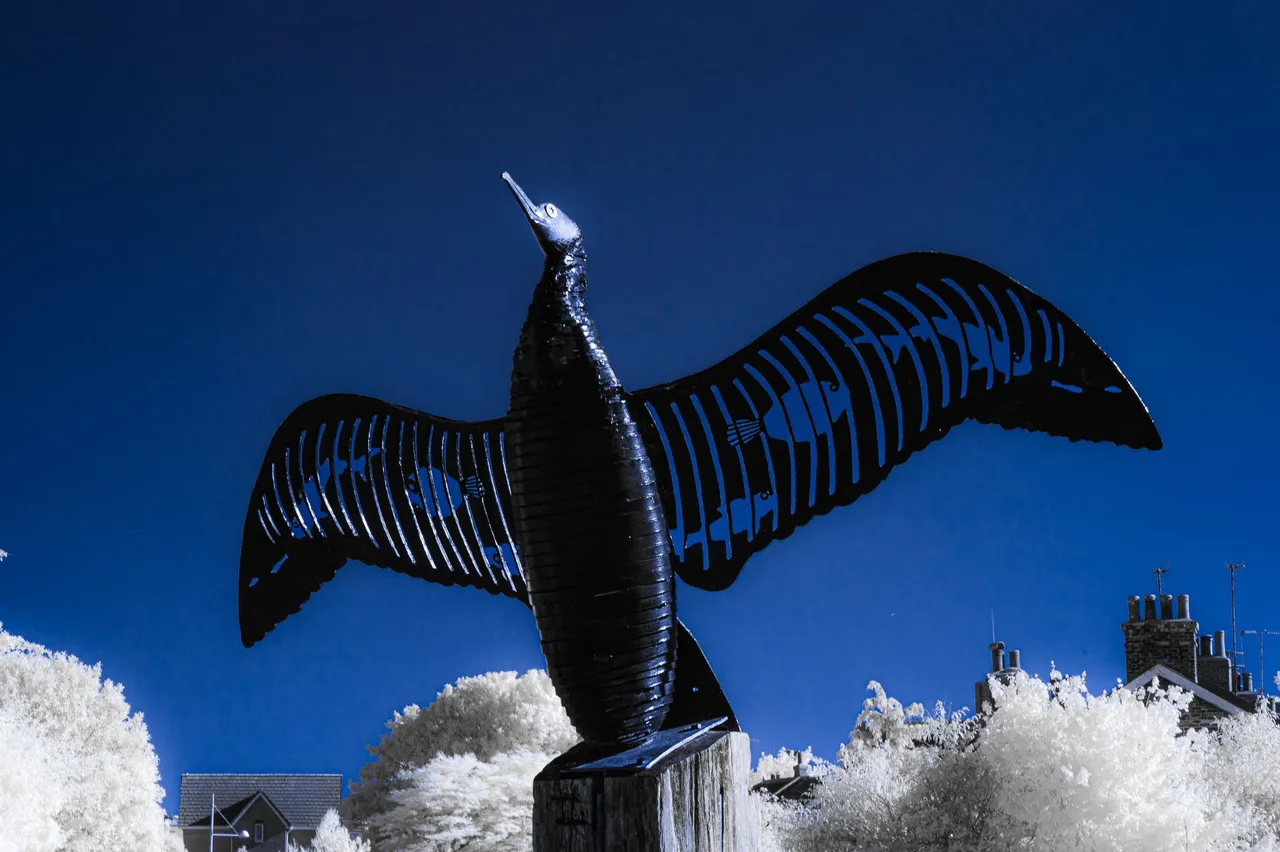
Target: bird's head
{"x": 558, "y": 235}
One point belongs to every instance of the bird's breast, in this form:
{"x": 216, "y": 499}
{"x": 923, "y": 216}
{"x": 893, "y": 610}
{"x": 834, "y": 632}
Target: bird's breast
{"x": 591, "y": 533}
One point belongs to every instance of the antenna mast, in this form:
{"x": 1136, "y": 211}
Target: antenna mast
{"x": 1262, "y": 654}
{"x": 1160, "y": 572}
{"x": 1232, "y": 568}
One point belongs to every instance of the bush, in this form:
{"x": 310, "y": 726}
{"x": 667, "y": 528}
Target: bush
{"x": 1050, "y": 767}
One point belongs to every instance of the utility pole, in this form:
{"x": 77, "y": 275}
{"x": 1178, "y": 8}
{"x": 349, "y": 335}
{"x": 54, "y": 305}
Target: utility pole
{"x": 1160, "y": 572}
{"x": 1262, "y": 659}
{"x": 1232, "y": 568}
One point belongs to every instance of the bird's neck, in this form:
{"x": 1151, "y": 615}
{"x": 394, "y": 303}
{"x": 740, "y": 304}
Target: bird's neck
{"x": 563, "y": 282}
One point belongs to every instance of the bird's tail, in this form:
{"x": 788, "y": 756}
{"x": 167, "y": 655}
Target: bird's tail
{"x": 698, "y": 695}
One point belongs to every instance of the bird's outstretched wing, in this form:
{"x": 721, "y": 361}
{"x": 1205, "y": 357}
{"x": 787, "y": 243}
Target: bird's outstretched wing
{"x": 351, "y": 477}
{"x": 818, "y": 410}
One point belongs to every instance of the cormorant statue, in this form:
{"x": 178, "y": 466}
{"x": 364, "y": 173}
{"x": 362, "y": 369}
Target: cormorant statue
{"x": 586, "y": 500}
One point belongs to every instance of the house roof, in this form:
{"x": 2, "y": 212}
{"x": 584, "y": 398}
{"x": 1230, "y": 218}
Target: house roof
{"x": 301, "y": 799}
{"x": 1227, "y": 702}
{"x": 795, "y": 787}
{"x": 242, "y": 810}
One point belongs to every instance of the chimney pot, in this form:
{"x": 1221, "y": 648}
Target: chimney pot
{"x": 1206, "y": 646}
{"x": 1135, "y": 608}
{"x": 1184, "y": 606}
{"x": 997, "y": 656}
{"x": 1247, "y": 677}
{"x": 1219, "y": 643}
{"x": 1015, "y": 659}
{"x": 1149, "y": 610}
{"x": 1166, "y": 607}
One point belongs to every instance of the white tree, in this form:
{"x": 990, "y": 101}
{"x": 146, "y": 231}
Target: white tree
{"x": 1099, "y": 772}
{"x": 901, "y": 783}
{"x": 1050, "y": 767}
{"x": 785, "y": 764}
{"x": 32, "y": 789}
{"x": 332, "y": 836}
{"x": 460, "y": 772}
{"x": 77, "y": 769}
{"x": 778, "y": 819}
{"x": 1242, "y": 774}
{"x": 459, "y": 802}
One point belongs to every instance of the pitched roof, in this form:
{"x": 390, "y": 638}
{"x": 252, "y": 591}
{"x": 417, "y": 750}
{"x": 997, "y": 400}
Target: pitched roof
{"x": 241, "y": 810}
{"x": 795, "y": 787}
{"x": 1228, "y": 702}
{"x": 302, "y": 799}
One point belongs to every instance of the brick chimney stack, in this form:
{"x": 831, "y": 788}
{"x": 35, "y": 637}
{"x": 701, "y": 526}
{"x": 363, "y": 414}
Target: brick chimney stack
{"x": 1003, "y": 671}
{"x": 1162, "y": 635}
{"x": 1215, "y": 665}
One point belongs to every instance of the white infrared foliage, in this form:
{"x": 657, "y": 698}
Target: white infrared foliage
{"x": 332, "y": 836}
{"x": 31, "y": 788}
{"x": 1051, "y": 767}
{"x": 77, "y": 769}
{"x": 458, "y": 802}
{"x": 459, "y": 773}
{"x": 786, "y": 763}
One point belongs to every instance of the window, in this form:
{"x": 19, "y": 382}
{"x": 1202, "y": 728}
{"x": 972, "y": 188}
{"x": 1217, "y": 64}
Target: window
{"x": 258, "y": 830}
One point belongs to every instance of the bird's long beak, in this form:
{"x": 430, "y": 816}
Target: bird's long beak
{"x": 527, "y": 205}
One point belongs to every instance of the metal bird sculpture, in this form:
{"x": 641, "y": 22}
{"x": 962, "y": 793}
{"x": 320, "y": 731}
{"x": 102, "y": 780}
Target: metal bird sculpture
{"x": 587, "y": 500}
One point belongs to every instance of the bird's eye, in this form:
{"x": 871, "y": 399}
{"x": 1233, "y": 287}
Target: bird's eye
{"x": 551, "y": 211}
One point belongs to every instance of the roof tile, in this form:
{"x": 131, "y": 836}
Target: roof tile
{"x": 303, "y": 799}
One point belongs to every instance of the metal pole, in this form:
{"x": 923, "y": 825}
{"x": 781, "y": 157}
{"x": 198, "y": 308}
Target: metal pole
{"x": 1262, "y": 658}
{"x": 213, "y": 809}
{"x": 1233, "y": 568}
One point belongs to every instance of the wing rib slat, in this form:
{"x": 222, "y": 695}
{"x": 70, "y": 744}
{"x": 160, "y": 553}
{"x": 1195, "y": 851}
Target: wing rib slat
{"x": 362, "y": 443}
{"x": 783, "y": 407}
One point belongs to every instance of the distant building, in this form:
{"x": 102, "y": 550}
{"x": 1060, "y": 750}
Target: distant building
{"x": 798, "y": 788}
{"x": 262, "y": 813}
{"x": 798, "y": 785}
{"x": 1001, "y": 669}
{"x": 1163, "y": 643}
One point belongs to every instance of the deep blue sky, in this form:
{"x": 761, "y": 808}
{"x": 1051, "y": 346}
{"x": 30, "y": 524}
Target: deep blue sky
{"x": 210, "y": 215}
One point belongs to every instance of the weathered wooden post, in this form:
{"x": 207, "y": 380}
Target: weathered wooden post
{"x": 687, "y": 792}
